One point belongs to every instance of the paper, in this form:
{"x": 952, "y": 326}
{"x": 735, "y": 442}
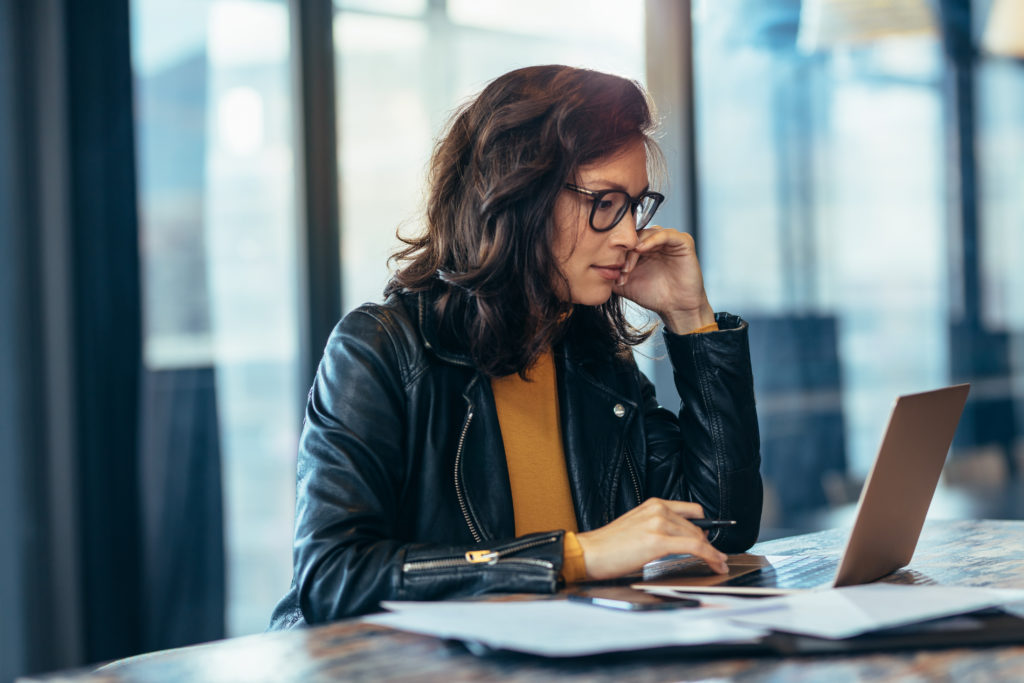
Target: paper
{"x": 853, "y": 610}
{"x": 558, "y": 628}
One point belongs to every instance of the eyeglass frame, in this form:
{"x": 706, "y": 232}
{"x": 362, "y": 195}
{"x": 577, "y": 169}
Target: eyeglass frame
{"x": 630, "y": 206}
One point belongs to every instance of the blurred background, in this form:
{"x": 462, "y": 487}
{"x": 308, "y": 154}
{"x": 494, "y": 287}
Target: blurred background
{"x": 192, "y": 192}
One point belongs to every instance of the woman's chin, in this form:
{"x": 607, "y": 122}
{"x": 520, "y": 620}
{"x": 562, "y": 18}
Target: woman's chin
{"x": 592, "y": 297}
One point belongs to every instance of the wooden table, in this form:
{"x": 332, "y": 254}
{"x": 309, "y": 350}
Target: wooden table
{"x": 976, "y": 553}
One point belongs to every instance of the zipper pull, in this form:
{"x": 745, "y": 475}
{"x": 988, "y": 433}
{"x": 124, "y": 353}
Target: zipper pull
{"x": 480, "y": 556}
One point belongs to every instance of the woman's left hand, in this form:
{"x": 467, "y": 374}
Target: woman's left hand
{"x": 662, "y": 274}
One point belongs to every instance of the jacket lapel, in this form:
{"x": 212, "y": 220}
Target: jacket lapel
{"x": 484, "y": 470}
{"x": 597, "y": 426}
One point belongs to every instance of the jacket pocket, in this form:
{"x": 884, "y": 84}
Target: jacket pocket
{"x": 503, "y": 554}
{"x": 528, "y": 564}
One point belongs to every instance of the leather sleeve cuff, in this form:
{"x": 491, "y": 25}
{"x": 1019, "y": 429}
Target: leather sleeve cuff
{"x": 727, "y": 342}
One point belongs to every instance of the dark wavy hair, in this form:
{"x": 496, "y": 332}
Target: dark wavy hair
{"x": 493, "y": 180}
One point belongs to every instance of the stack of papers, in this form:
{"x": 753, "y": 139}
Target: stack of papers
{"x": 558, "y": 628}
{"x": 854, "y": 610}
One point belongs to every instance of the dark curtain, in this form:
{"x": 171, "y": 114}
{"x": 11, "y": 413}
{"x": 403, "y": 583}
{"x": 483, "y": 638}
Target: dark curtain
{"x": 110, "y": 505}
{"x": 183, "y": 532}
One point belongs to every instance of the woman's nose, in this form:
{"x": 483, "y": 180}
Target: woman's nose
{"x": 624, "y": 233}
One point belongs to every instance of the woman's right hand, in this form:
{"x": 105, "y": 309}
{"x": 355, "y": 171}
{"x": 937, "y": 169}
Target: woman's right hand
{"x": 651, "y": 530}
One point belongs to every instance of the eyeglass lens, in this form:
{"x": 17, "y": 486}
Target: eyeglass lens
{"x": 612, "y": 206}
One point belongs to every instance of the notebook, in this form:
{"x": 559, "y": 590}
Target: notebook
{"x": 890, "y": 513}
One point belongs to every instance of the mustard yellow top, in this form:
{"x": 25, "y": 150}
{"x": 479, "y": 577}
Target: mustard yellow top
{"x": 532, "y": 434}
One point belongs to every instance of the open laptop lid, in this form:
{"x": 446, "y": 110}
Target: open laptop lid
{"x": 900, "y": 486}
{"x": 890, "y": 513}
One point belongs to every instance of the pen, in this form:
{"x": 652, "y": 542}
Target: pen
{"x": 712, "y": 523}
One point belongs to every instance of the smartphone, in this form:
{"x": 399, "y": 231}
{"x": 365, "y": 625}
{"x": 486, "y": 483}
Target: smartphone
{"x": 629, "y": 599}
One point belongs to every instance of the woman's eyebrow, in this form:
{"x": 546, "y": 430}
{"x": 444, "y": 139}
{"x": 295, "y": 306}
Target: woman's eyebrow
{"x": 601, "y": 184}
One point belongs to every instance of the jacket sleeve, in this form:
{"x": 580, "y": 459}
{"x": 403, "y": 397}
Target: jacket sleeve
{"x": 350, "y": 474}
{"x": 711, "y": 454}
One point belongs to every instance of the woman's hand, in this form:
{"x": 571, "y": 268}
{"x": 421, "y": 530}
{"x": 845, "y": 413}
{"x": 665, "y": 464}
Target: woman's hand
{"x": 662, "y": 274}
{"x": 653, "y": 529}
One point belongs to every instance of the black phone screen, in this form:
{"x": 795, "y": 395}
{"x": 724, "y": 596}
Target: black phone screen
{"x": 630, "y": 599}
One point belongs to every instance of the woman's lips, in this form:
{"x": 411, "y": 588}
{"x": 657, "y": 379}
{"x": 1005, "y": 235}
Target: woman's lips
{"x": 609, "y": 272}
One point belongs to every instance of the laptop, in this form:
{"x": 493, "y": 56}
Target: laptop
{"x": 890, "y": 514}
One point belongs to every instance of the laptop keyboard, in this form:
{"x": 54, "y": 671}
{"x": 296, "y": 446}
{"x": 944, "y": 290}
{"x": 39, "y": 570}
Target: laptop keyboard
{"x": 795, "y": 572}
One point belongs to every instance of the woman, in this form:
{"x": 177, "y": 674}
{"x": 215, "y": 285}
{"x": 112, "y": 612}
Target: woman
{"x": 486, "y": 428}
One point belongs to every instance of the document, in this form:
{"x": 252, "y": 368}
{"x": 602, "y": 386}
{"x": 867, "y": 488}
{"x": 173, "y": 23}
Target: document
{"x": 558, "y": 628}
{"x": 850, "y": 611}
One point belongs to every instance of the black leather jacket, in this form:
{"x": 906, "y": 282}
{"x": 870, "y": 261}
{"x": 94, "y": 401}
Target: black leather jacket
{"x": 403, "y": 490}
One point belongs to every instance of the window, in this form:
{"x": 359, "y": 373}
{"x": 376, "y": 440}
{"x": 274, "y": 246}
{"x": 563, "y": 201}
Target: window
{"x": 218, "y": 242}
{"x": 403, "y": 67}
{"x": 830, "y": 217}
{"x": 217, "y": 202}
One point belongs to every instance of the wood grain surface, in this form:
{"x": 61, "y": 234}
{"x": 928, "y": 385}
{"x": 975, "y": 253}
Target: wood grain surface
{"x": 977, "y": 553}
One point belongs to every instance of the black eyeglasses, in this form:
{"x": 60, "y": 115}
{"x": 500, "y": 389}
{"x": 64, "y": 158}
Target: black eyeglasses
{"x": 610, "y": 207}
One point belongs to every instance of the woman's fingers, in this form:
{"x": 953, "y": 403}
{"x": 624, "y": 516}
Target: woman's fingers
{"x": 664, "y": 276}
{"x": 698, "y": 548}
{"x": 674, "y": 533}
{"x": 653, "y": 240}
{"x": 682, "y": 508}
{"x": 694, "y": 541}
{"x": 631, "y": 258}
{"x": 657, "y": 236}
{"x": 653, "y": 529}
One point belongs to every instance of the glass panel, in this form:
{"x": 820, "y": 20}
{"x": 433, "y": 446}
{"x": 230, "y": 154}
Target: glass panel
{"x": 822, "y": 192}
{"x": 1000, "y": 151}
{"x": 399, "y": 80}
{"x": 831, "y": 218}
{"x": 996, "y": 427}
{"x": 412, "y": 8}
{"x": 611, "y": 21}
{"x": 217, "y": 208}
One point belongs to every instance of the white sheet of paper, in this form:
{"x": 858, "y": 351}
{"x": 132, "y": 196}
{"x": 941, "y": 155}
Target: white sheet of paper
{"x": 558, "y": 628}
{"x": 853, "y": 610}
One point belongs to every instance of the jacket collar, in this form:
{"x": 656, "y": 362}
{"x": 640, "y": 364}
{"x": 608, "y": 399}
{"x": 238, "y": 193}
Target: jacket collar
{"x": 429, "y": 328}
{"x": 429, "y": 325}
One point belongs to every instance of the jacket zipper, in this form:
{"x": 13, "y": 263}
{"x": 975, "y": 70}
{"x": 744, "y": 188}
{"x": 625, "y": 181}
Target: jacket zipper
{"x": 488, "y": 557}
{"x": 632, "y": 475}
{"x": 458, "y": 485}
